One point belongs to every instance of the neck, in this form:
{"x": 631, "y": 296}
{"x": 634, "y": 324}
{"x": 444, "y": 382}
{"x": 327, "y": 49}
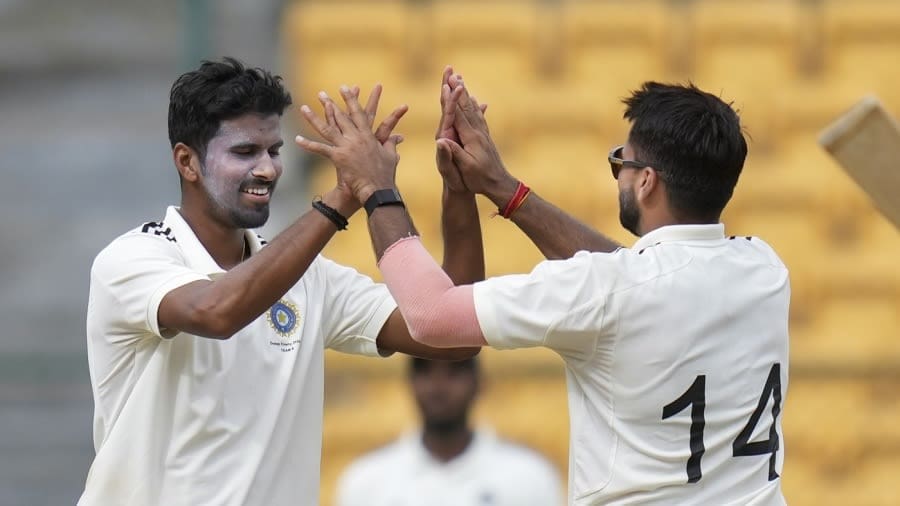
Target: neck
{"x": 446, "y": 445}
{"x": 225, "y": 244}
{"x": 651, "y": 223}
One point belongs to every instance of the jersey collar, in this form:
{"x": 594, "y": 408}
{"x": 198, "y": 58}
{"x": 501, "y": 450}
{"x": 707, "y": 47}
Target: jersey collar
{"x": 195, "y": 254}
{"x": 674, "y": 233}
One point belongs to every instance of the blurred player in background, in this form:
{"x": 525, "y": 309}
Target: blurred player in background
{"x": 448, "y": 463}
{"x": 206, "y": 344}
{"x": 676, "y": 349}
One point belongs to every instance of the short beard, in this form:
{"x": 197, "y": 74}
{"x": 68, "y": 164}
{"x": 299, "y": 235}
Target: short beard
{"x": 249, "y": 218}
{"x": 629, "y": 213}
{"x": 237, "y": 217}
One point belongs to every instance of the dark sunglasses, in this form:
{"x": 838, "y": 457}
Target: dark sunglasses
{"x": 616, "y": 162}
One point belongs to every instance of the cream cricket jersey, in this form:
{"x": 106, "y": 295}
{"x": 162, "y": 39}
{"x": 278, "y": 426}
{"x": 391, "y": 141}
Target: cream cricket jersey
{"x": 676, "y": 354}
{"x": 185, "y": 420}
{"x": 491, "y": 472}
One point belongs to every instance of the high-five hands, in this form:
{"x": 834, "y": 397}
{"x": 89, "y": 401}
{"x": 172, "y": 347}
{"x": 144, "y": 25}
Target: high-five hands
{"x": 467, "y": 157}
{"x": 450, "y": 82}
{"x": 365, "y": 160}
{"x": 464, "y": 137}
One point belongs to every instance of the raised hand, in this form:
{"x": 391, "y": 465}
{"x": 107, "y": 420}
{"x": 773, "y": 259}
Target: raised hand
{"x": 446, "y": 130}
{"x": 474, "y": 154}
{"x": 365, "y": 161}
{"x": 386, "y": 127}
{"x": 449, "y": 82}
{"x": 444, "y": 157}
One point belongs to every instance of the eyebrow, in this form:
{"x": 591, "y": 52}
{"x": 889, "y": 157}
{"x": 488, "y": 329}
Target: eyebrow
{"x": 253, "y": 145}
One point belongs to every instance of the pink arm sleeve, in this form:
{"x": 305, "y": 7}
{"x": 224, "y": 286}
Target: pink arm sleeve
{"x": 437, "y": 313}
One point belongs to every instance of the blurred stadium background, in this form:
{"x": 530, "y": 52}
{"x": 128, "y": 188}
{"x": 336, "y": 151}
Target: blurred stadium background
{"x": 85, "y": 155}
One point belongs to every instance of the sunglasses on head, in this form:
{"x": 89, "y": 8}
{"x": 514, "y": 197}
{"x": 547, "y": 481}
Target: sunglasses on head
{"x": 616, "y": 162}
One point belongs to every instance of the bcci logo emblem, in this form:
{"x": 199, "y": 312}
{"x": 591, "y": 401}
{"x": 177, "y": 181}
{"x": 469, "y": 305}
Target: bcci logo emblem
{"x": 283, "y": 318}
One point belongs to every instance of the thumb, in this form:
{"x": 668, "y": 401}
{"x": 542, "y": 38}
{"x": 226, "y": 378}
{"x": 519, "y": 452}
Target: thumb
{"x": 456, "y": 151}
{"x": 397, "y": 138}
{"x": 444, "y": 153}
{"x": 393, "y": 141}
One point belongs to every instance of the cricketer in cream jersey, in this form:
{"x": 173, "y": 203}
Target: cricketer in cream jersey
{"x": 205, "y": 343}
{"x": 676, "y": 350}
{"x": 676, "y": 355}
{"x": 187, "y": 420}
{"x": 491, "y": 472}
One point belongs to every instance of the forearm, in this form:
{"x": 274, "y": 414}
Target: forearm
{"x": 232, "y": 301}
{"x": 557, "y": 234}
{"x": 463, "y": 246}
{"x": 436, "y": 313}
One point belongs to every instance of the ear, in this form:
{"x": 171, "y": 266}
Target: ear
{"x": 187, "y": 162}
{"x": 648, "y": 184}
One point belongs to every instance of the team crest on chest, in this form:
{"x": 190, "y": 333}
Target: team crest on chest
{"x": 283, "y": 318}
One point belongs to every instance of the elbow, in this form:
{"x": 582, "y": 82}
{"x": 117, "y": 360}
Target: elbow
{"x": 212, "y": 322}
{"x": 455, "y": 354}
{"x": 423, "y": 333}
{"x": 436, "y": 337}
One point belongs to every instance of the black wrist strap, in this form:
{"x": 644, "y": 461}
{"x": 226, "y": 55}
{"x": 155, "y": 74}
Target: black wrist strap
{"x": 331, "y": 213}
{"x": 388, "y": 197}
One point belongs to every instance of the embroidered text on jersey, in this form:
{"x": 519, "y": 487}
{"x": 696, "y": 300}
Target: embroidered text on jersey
{"x": 158, "y": 228}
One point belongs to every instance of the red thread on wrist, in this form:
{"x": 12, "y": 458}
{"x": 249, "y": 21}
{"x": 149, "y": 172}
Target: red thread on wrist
{"x": 516, "y": 201}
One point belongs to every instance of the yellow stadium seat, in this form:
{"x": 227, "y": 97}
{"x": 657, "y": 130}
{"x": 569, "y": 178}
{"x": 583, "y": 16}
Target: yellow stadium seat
{"x": 492, "y": 44}
{"x": 334, "y": 43}
{"x": 568, "y": 168}
{"x": 802, "y": 110}
{"x": 613, "y": 47}
{"x": 747, "y": 44}
{"x": 851, "y": 328}
{"x": 840, "y": 437}
{"x": 778, "y": 180}
{"x": 745, "y": 52}
{"x": 523, "y": 398}
{"x": 862, "y": 44}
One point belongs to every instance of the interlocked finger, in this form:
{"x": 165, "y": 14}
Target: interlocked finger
{"x": 343, "y": 123}
{"x": 387, "y": 126}
{"x": 356, "y": 112}
{"x": 480, "y": 122}
{"x": 463, "y": 122}
{"x": 328, "y": 131}
{"x": 372, "y": 104}
{"x": 319, "y": 148}
{"x": 445, "y": 82}
{"x": 448, "y": 112}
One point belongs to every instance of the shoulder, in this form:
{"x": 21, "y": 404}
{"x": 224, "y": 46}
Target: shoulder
{"x": 753, "y": 246}
{"x": 372, "y": 466}
{"x": 149, "y": 240}
{"x": 585, "y": 274}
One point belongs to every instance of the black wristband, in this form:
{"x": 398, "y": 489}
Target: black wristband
{"x": 331, "y": 213}
{"x": 387, "y": 197}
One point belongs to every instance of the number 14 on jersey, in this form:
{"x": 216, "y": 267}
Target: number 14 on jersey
{"x": 695, "y": 396}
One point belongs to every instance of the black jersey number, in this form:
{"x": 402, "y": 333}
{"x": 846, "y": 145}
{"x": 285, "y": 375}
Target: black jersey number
{"x": 695, "y": 396}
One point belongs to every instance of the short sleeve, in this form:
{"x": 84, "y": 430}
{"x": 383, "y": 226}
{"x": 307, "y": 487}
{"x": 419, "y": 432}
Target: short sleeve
{"x": 129, "y": 280}
{"x": 355, "y": 309}
{"x": 560, "y": 305}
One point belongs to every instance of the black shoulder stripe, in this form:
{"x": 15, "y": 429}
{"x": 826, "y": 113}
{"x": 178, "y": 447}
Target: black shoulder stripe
{"x": 158, "y": 228}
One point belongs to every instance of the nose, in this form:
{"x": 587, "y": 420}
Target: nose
{"x": 266, "y": 168}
